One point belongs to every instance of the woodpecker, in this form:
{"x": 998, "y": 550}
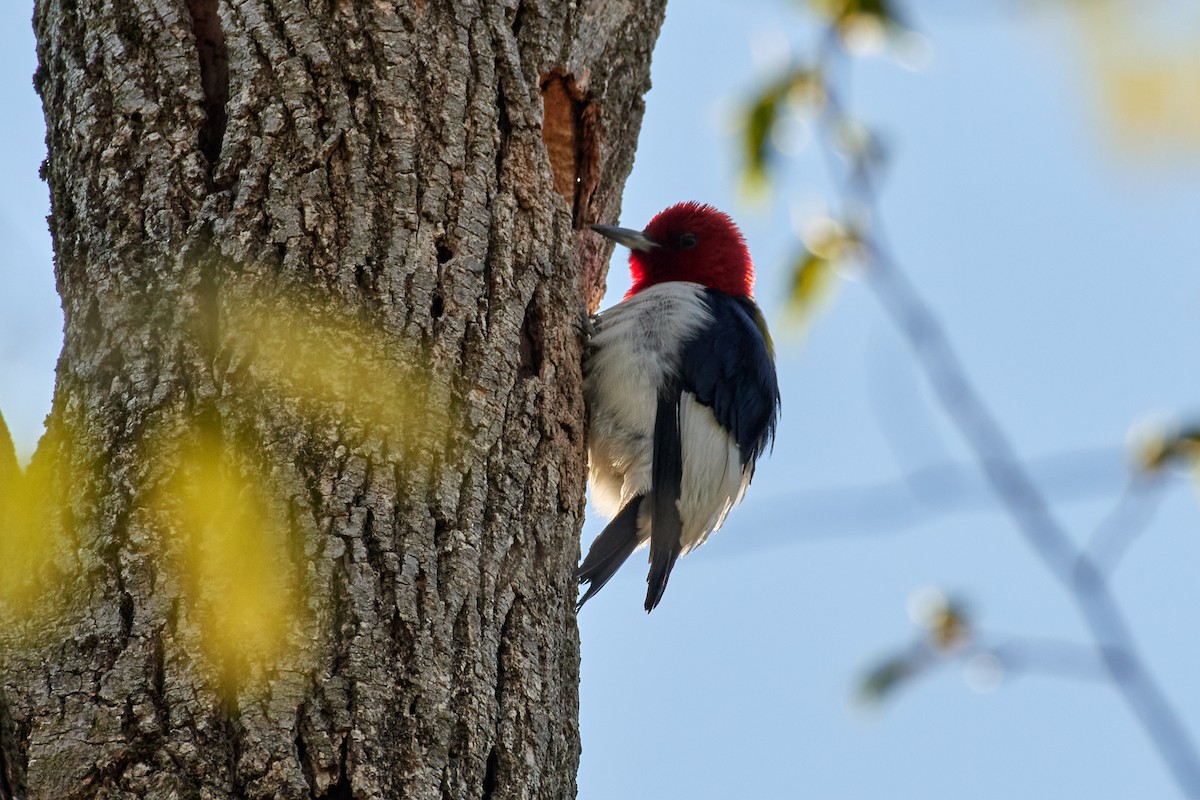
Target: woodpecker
{"x": 680, "y": 384}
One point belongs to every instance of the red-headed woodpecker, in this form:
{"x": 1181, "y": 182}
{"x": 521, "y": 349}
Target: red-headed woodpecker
{"x": 679, "y": 379}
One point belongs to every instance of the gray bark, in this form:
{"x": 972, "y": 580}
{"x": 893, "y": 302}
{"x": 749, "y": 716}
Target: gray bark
{"x": 428, "y": 168}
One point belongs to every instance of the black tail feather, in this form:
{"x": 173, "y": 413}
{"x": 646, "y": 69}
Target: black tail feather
{"x": 661, "y": 564}
{"x": 615, "y": 543}
{"x": 666, "y": 526}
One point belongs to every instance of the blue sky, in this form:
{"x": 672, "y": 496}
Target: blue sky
{"x": 1064, "y": 268}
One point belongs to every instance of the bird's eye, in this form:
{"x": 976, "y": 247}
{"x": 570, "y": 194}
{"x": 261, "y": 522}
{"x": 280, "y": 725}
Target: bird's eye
{"x": 687, "y": 241}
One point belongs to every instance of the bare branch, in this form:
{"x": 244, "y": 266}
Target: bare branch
{"x": 1024, "y": 500}
{"x": 1027, "y": 655}
{"x": 1127, "y": 520}
{"x": 919, "y": 496}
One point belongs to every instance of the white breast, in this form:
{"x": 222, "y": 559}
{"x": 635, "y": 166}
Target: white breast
{"x": 636, "y": 347}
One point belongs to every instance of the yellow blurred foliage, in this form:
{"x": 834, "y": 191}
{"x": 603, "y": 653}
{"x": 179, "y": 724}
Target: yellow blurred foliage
{"x": 330, "y": 362}
{"x": 225, "y": 529}
{"x": 26, "y": 546}
{"x": 812, "y": 282}
{"x": 232, "y": 552}
{"x": 1145, "y": 57}
{"x": 233, "y": 547}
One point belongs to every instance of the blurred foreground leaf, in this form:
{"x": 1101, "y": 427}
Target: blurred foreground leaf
{"x": 21, "y": 550}
{"x": 28, "y": 531}
{"x": 886, "y": 676}
{"x": 839, "y": 9}
{"x": 760, "y": 120}
{"x": 812, "y": 280}
{"x": 864, "y": 26}
{"x": 10, "y": 470}
{"x": 795, "y": 89}
{"x": 231, "y": 548}
{"x": 333, "y": 363}
{"x": 1145, "y": 63}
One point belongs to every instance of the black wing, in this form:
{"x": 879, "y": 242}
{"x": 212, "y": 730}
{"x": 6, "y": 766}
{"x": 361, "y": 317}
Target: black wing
{"x": 730, "y": 367}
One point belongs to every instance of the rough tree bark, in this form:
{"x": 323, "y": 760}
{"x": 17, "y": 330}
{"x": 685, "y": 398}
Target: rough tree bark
{"x": 430, "y": 165}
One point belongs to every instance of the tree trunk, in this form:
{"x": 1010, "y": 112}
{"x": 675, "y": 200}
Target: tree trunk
{"x": 401, "y": 183}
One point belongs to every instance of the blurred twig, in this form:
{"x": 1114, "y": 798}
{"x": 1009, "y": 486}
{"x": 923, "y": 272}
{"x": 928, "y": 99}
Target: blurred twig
{"x": 991, "y": 660}
{"x": 1078, "y": 570}
{"x": 918, "y": 496}
{"x": 1027, "y": 655}
{"x": 1127, "y": 520}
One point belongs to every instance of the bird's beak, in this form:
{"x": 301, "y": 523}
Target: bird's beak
{"x": 634, "y": 240}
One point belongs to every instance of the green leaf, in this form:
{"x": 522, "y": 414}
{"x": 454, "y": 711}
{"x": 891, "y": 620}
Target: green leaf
{"x": 812, "y": 280}
{"x": 795, "y": 87}
{"x": 882, "y": 10}
{"x": 885, "y": 677}
{"x": 760, "y": 121}
{"x": 809, "y": 282}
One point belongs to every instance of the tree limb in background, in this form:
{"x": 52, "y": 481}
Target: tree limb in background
{"x": 855, "y": 160}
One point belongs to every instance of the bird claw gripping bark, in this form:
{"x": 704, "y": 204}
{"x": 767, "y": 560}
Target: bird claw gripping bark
{"x": 586, "y": 325}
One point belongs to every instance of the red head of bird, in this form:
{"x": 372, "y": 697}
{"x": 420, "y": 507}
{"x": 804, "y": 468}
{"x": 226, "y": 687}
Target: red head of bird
{"x": 687, "y": 242}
